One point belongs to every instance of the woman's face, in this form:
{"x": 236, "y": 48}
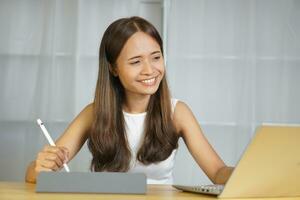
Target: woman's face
{"x": 140, "y": 65}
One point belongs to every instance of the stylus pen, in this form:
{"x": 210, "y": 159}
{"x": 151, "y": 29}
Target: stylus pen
{"x": 47, "y": 135}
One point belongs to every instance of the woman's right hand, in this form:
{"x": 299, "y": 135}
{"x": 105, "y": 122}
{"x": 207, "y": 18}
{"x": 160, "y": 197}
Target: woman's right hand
{"x": 51, "y": 158}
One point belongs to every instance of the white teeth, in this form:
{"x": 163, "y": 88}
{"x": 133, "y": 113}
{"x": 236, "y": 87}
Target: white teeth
{"x": 149, "y": 80}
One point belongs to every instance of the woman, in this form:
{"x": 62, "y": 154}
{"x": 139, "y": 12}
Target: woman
{"x": 133, "y": 125}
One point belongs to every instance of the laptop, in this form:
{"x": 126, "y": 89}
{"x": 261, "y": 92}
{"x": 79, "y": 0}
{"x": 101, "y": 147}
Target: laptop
{"x": 92, "y": 182}
{"x": 269, "y": 167}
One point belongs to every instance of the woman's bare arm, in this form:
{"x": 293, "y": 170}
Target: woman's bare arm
{"x": 67, "y": 146}
{"x": 198, "y": 145}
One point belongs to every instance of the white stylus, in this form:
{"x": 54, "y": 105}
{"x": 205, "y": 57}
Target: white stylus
{"x": 41, "y": 124}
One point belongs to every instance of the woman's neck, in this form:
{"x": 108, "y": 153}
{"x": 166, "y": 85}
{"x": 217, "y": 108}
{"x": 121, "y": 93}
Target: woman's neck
{"x": 136, "y": 103}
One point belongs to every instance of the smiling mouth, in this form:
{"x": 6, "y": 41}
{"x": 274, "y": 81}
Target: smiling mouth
{"x": 149, "y": 82}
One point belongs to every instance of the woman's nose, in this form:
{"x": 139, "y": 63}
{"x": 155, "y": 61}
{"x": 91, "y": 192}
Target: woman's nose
{"x": 147, "y": 68}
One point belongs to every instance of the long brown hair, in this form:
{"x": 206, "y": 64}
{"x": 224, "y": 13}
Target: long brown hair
{"x": 107, "y": 141}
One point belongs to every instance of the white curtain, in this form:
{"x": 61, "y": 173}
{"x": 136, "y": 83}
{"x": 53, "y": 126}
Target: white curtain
{"x": 48, "y": 69}
{"x": 237, "y": 64}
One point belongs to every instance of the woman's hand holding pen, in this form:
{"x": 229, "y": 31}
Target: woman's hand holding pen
{"x": 51, "y": 158}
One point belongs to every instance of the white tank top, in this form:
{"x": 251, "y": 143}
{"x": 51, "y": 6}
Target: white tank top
{"x": 159, "y": 173}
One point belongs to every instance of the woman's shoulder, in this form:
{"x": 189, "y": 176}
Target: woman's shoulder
{"x": 178, "y": 105}
{"x": 89, "y": 107}
{"x": 182, "y": 112}
{"x": 86, "y": 115}
{"x": 87, "y": 110}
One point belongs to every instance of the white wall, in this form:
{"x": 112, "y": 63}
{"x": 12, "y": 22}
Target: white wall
{"x": 48, "y": 70}
{"x": 237, "y": 64}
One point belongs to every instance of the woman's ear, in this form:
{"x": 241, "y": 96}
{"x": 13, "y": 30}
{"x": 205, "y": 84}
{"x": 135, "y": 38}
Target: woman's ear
{"x": 113, "y": 70}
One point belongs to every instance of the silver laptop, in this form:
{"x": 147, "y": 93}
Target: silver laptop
{"x": 270, "y": 167}
{"x": 92, "y": 182}
{"x": 203, "y": 189}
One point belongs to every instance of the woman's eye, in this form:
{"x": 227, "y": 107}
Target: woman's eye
{"x": 135, "y": 62}
{"x": 156, "y": 57}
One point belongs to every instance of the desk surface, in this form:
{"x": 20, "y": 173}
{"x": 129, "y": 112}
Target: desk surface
{"x": 21, "y": 190}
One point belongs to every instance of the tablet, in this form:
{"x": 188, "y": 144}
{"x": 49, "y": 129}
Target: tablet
{"x": 92, "y": 182}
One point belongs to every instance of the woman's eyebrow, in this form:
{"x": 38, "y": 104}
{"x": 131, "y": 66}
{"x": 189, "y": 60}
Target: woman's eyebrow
{"x": 155, "y": 52}
{"x": 134, "y": 57}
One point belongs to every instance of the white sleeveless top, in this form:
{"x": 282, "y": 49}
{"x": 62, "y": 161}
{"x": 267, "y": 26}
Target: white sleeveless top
{"x": 159, "y": 173}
